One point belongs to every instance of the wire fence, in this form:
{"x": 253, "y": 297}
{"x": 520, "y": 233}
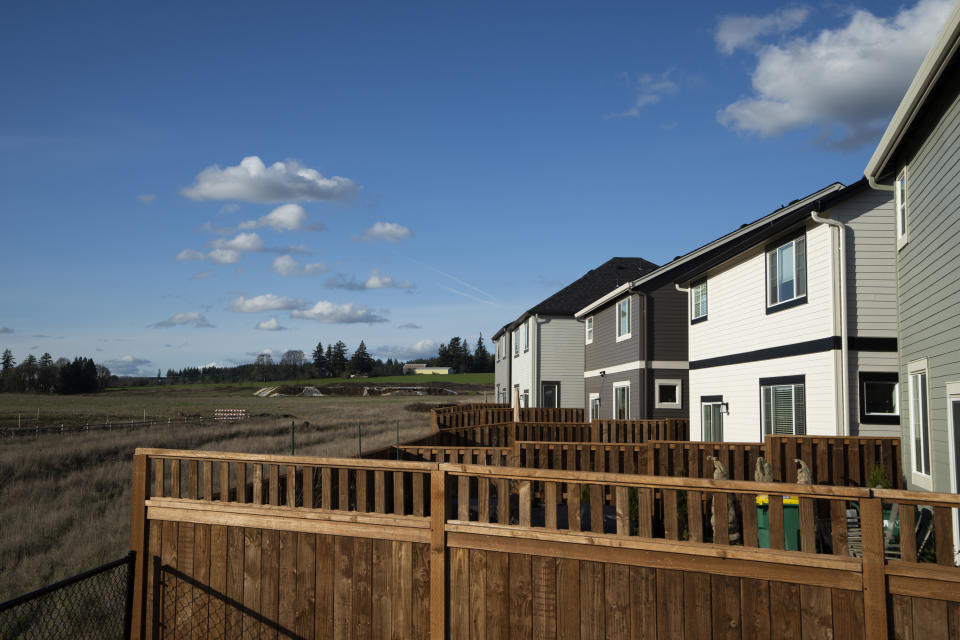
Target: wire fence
{"x": 93, "y": 604}
{"x": 63, "y": 428}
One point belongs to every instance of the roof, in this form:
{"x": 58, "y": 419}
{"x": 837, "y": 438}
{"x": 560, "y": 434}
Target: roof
{"x": 568, "y": 300}
{"x": 918, "y": 95}
{"x": 689, "y": 265}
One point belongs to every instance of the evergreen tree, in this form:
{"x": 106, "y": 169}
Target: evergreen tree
{"x": 320, "y": 360}
{"x": 481, "y": 357}
{"x": 6, "y": 361}
{"x": 361, "y": 362}
{"x": 338, "y": 358}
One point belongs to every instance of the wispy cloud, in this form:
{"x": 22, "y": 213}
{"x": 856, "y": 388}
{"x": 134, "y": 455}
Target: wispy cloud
{"x": 420, "y": 349}
{"x": 389, "y": 231}
{"x": 191, "y": 255}
{"x": 253, "y": 181}
{"x": 147, "y": 198}
{"x": 201, "y": 275}
{"x": 734, "y": 32}
{"x": 265, "y": 302}
{"x": 331, "y": 313}
{"x": 845, "y": 81}
{"x": 287, "y": 266}
{"x": 375, "y": 281}
{"x": 650, "y": 90}
{"x": 230, "y": 208}
{"x": 191, "y": 319}
{"x": 129, "y": 366}
{"x": 409, "y": 325}
{"x": 6, "y": 330}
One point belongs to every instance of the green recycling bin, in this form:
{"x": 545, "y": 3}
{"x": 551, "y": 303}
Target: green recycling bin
{"x": 791, "y": 523}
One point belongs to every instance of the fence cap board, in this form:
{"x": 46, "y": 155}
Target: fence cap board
{"x": 225, "y": 456}
{"x": 918, "y": 497}
{"x": 308, "y": 513}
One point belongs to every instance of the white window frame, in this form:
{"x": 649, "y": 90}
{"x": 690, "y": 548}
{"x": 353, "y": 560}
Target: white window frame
{"x": 616, "y": 318}
{"x": 516, "y": 342}
{"x": 793, "y": 407}
{"x": 901, "y": 197}
{"x": 526, "y": 336}
{"x": 953, "y": 395}
{"x": 916, "y": 369}
{"x": 675, "y": 382}
{"x": 590, "y": 400}
{"x": 773, "y": 251}
{"x": 588, "y": 330}
{"x": 703, "y": 405}
{"x": 616, "y": 386}
{"x": 693, "y": 302}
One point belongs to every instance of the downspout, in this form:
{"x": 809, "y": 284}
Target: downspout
{"x": 844, "y": 337}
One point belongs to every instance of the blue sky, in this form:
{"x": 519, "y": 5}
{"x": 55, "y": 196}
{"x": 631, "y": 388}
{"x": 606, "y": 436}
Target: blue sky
{"x": 413, "y": 171}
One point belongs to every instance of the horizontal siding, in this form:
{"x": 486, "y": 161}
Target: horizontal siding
{"x": 560, "y": 354}
{"x": 605, "y": 351}
{"x": 868, "y": 361}
{"x": 929, "y": 284}
{"x": 502, "y": 372}
{"x": 651, "y": 410}
{"x": 669, "y": 327}
{"x": 737, "y": 321}
{"x": 604, "y": 386}
{"x": 740, "y": 387}
{"x": 522, "y": 368}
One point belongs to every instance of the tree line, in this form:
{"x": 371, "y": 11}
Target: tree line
{"x": 44, "y": 375}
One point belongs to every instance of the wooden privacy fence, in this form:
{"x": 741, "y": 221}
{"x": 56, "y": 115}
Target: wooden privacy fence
{"x": 505, "y": 434}
{"x": 477, "y": 414}
{"x": 332, "y": 548}
{"x": 841, "y": 461}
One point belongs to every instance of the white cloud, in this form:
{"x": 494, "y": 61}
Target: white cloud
{"x": 286, "y": 217}
{"x": 189, "y": 254}
{"x": 409, "y": 325}
{"x": 650, "y": 90}
{"x": 147, "y": 198}
{"x": 420, "y": 349}
{"x": 270, "y": 325}
{"x": 848, "y": 81}
{"x": 240, "y": 242}
{"x": 389, "y": 231}
{"x": 265, "y": 302}
{"x": 253, "y": 181}
{"x": 376, "y": 281}
{"x": 192, "y": 318}
{"x": 734, "y": 32}
{"x": 330, "y": 313}
{"x": 129, "y": 366}
{"x": 225, "y": 256}
{"x": 286, "y": 266}
{"x": 230, "y": 208}
{"x": 6, "y": 330}
{"x": 201, "y": 275}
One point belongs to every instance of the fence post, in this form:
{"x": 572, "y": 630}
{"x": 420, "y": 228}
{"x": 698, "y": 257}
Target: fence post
{"x": 139, "y": 543}
{"x": 438, "y": 555}
{"x": 874, "y": 580}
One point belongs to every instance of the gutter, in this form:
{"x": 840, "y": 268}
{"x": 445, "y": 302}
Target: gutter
{"x": 844, "y": 384}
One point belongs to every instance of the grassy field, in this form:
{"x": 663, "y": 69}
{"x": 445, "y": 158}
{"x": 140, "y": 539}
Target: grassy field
{"x": 65, "y": 499}
{"x": 412, "y": 380}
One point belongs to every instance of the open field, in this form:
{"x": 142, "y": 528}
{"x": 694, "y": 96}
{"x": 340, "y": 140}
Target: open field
{"x": 65, "y": 499}
{"x": 180, "y": 401}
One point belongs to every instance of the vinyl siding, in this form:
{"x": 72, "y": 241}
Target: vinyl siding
{"x": 737, "y": 320}
{"x": 604, "y": 386}
{"x": 560, "y": 354}
{"x": 605, "y": 351}
{"x": 740, "y": 387}
{"x": 522, "y": 366}
{"x": 667, "y": 335}
{"x": 929, "y": 286}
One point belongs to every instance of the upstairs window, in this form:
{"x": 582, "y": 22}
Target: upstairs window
{"x": 623, "y": 319}
{"x": 516, "y": 342}
{"x": 784, "y": 410}
{"x": 588, "y": 330}
{"x": 526, "y": 336}
{"x": 698, "y": 306}
{"x": 900, "y": 202}
{"x": 787, "y": 273}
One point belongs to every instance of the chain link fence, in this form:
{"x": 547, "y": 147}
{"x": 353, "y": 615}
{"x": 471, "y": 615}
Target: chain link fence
{"x": 93, "y": 604}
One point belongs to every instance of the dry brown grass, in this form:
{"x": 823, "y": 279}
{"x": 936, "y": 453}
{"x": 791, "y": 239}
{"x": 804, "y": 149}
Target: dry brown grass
{"x": 65, "y": 499}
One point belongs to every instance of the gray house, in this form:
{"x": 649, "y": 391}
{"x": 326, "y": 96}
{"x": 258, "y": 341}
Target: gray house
{"x": 635, "y": 349}
{"x": 539, "y": 356}
{"x": 918, "y": 159}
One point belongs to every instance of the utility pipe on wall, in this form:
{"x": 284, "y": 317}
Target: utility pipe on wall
{"x": 844, "y": 337}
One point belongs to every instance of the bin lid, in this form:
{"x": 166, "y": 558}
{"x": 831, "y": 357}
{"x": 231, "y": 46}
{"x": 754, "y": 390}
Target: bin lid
{"x": 764, "y": 500}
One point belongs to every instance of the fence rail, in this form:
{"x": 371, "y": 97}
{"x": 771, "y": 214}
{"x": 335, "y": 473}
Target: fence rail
{"x": 476, "y": 414}
{"x": 506, "y": 433}
{"x": 855, "y": 553}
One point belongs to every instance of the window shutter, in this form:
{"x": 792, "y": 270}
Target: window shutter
{"x": 799, "y": 411}
{"x": 767, "y": 410}
{"x": 772, "y": 277}
{"x": 800, "y": 255}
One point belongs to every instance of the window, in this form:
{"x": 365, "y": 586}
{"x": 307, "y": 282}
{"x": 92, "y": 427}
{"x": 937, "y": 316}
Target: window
{"x": 516, "y": 342}
{"x": 900, "y": 203}
{"x": 594, "y": 406}
{"x": 623, "y": 319}
{"x": 621, "y": 401}
{"x": 525, "y": 399}
{"x": 668, "y": 394}
{"x": 698, "y": 308}
{"x": 783, "y": 409}
{"x": 526, "y": 336}
{"x": 879, "y": 398}
{"x": 919, "y": 417}
{"x": 711, "y": 414}
{"x": 550, "y": 394}
{"x": 588, "y": 330}
{"x": 787, "y": 274}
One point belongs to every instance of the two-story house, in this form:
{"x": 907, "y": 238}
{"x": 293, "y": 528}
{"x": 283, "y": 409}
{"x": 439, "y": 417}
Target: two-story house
{"x": 792, "y": 321}
{"x": 635, "y": 350}
{"x": 539, "y": 356}
{"x": 917, "y": 163}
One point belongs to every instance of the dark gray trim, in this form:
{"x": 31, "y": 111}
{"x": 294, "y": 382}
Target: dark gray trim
{"x": 867, "y": 343}
{"x": 799, "y": 379}
{"x": 770, "y": 353}
{"x": 711, "y": 399}
{"x": 875, "y": 376}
